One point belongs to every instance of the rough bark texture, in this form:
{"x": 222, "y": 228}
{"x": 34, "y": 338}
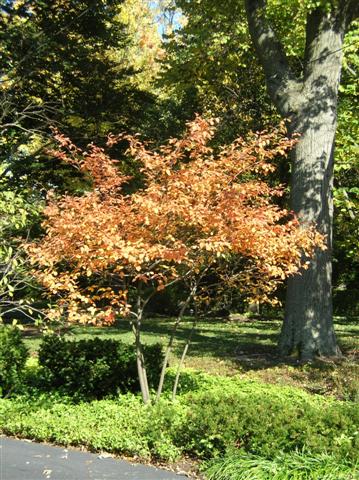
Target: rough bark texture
{"x": 308, "y": 324}
{"x": 310, "y": 102}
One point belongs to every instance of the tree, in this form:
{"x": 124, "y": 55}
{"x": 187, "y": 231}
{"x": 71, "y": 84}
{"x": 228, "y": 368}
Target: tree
{"x": 73, "y": 63}
{"x": 309, "y": 101}
{"x": 212, "y": 59}
{"x": 106, "y": 253}
{"x": 145, "y": 49}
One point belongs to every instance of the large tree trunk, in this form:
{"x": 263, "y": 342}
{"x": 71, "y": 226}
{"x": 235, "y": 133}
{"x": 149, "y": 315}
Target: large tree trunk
{"x": 309, "y": 101}
{"x": 308, "y": 324}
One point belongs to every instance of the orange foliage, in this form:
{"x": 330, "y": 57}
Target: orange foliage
{"x": 197, "y": 210}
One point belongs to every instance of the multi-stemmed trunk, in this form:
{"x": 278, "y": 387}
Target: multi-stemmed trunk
{"x": 309, "y": 102}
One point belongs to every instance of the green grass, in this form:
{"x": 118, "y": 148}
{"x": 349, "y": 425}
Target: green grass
{"x": 247, "y": 347}
{"x": 214, "y": 338}
{"x": 296, "y": 466}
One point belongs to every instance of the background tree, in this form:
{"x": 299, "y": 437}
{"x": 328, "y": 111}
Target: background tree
{"x": 19, "y": 211}
{"x": 145, "y": 49}
{"x": 221, "y": 51}
{"x": 309, "y": 101}
{"x": 211, "y": 59}
{"x": 67, "y": 59}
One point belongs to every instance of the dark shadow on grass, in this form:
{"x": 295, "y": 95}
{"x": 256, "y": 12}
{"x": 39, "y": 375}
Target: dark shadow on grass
{"x": 348, "y": 333}
{"x": 348, "y": 320}
{"x": 235, "y": 341}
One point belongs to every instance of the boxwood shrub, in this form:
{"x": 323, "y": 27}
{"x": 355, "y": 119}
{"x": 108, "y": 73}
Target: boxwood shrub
{"x": 96, "y": 367}
{"x": 13, "y": 356}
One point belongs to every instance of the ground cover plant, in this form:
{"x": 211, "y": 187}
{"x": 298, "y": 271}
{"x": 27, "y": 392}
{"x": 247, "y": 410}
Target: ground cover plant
{"x": 220, "y": 415}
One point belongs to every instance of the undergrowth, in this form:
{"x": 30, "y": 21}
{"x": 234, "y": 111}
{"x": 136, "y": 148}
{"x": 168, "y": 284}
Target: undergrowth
{"x": 211, "y": 417}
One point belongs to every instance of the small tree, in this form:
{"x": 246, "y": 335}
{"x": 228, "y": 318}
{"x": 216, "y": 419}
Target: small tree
{"x": 107, "y": 253}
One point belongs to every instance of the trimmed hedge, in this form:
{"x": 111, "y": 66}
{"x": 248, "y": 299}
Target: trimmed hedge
{"x": 265, "y": 420}
{"x": 13, "y": 356}
{"x": 95, "y": 368}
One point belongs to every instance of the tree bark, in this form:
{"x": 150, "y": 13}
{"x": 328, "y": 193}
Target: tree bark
{"x": 308, "y": 323}
{"x": 181, "y": 362}
{"x": 171, "y": 341}
{"x": 309, "y": 101}
{"x": 140, "y": 360}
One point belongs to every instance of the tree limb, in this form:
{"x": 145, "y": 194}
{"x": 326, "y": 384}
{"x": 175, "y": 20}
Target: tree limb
{"x": 281, "y": 81}
{"x": 325, "y": 31}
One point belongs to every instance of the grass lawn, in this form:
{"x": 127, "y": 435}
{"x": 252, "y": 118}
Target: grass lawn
{"x": 245, "y": 346}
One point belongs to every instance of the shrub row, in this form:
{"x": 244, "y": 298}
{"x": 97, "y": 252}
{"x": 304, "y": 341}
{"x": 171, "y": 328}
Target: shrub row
{"x": 87, "y": 368}
{"x": 95, "y": 367}
{"x": 259, "y": 419}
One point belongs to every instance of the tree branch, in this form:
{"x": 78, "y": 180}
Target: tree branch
{"x": 281, "y": 81}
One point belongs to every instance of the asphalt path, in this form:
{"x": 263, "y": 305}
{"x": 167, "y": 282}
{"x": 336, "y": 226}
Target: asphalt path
{"x": 25, "y": 460}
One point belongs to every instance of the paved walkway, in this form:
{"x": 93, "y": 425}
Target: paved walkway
{"x": 24, "y": 460}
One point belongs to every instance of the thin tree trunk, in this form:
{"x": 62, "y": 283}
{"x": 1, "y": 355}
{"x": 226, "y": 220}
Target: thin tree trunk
{"x": 141, "y": 367}
{"x": 170, "y": 343}
{"x": 140, "y": 361}
{"x": 181, "y": 362}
